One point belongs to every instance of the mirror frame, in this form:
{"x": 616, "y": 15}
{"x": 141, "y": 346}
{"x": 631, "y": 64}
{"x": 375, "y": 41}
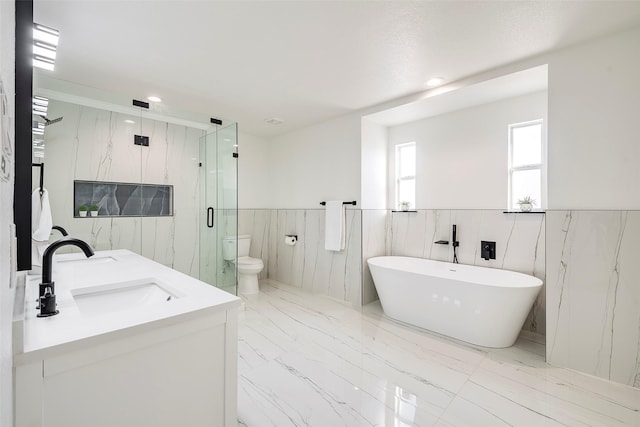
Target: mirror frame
{"x": 23, "y": 143}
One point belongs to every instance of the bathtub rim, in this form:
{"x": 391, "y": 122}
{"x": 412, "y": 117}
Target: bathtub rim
{"x": 530, "y": 280}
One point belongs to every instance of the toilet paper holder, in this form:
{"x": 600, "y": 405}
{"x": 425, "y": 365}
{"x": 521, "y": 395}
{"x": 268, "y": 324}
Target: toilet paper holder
{"x": 291, "y": 239}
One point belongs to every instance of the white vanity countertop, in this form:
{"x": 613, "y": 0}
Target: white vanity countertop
{"x": 45, "y": 337}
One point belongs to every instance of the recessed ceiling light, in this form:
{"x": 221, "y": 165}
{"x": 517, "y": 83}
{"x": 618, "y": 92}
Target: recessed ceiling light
{"x": 45, "y": 40}
{"x": 274, "y": 121}
{"x": 42, "y": 62}
{"x": 44, "y": 49}
{"x": 129, "y": 121}
{"x": 39, "y": 105}
{"x": 434, "y": 81}
{"x": 46, "y": 34}
{"x": 154, "y": 99}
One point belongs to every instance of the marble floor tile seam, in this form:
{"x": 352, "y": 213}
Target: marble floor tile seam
{"x": 335, "y": 337}
{"x": 362, "y": 394}
{"x": 356, "y": 362}
{"x": 546, "y": 402}
{"x": 296, "y": 391}
{"x": 361, "y": 347}
{"x": 549, "y": 383}
{"x": 494, "y": 410}
{"x": 518, "y": 376}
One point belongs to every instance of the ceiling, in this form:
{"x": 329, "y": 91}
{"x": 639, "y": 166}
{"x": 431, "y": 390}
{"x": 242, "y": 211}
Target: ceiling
{"x": 304, "y": 61}
{"x": 515, "y": 84}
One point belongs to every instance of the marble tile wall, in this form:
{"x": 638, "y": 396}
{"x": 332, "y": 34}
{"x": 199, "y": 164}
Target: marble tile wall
{"x": 593, "y": 293}
{"x": 97, "y": 145}
{"x": 520, "y": 243}
{"x": 307, "y": 264}
{"x": 124, "y": 199}
{"x": 375, "y": 224}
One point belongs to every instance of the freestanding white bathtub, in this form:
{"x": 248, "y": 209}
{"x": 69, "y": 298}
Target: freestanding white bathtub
{"x": 479, "y": 305}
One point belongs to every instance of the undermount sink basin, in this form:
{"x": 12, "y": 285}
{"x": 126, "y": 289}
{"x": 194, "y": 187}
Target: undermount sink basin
{"x": 88, "y": 261}
{"x": 114, "y": 297}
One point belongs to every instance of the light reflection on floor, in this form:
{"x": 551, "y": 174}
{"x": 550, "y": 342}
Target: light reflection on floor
{"x": 307, "y": 360}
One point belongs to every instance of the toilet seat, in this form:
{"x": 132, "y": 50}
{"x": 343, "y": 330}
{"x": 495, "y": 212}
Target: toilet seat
{"x": 249, "y": 265}
{"x": 247, "y": 260}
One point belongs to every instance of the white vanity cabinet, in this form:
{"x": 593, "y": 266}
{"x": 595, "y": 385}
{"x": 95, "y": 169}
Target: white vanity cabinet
{"x": 148, "y": 370}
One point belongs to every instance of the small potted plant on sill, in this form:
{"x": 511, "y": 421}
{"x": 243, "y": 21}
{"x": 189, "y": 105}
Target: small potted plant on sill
{"x": 404, "y": 206}
{"x": 82, "y": 210}
{"x": 94, "y": 210}
{"x": 526, "y": 204}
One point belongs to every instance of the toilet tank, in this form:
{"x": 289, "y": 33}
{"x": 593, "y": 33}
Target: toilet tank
{"x": 229, "y": 246}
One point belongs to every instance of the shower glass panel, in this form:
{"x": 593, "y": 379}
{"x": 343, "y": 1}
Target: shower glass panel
{"x": 219, "y": 207}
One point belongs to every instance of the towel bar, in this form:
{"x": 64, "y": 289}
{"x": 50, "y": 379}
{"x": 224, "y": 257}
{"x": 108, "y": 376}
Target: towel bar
{"x": 344, "y": 203}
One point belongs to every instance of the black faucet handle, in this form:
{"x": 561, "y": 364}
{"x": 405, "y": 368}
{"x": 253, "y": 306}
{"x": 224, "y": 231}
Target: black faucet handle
{"x": 48, "y": 303}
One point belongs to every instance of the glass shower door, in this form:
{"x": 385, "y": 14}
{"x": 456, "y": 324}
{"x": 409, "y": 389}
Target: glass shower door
{"x": 219, "y": 208}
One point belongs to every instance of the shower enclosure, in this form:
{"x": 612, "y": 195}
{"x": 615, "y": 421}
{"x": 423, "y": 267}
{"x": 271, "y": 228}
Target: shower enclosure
{"x": 172, "y": 198}
{"x": 219, "y": 207}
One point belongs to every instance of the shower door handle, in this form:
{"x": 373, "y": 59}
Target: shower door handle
{"x": 210, "y": 217}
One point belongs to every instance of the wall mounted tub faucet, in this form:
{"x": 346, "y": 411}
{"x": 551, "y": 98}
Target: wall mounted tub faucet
{"x": 487, "y": 250}
{"x": 455, "y": 244}
{"x": 47, "y": 297}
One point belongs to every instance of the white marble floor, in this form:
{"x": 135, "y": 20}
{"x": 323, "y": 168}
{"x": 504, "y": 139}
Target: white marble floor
{"x": 306, "y": 360}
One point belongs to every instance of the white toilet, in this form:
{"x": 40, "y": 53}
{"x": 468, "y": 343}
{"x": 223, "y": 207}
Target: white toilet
{"x": 248, "y": 268}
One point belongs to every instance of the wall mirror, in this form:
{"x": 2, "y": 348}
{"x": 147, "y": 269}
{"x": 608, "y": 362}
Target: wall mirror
{"x": 161, "y": 183}
{"x": 463, "y": 155}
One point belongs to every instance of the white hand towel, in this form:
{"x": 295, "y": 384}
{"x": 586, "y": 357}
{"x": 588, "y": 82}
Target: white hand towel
{"x": 334, "y": 231}
{"x": 41, "y": 221}
{"x": 37, "y": 250}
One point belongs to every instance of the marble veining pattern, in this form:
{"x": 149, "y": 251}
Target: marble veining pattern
{"x": 307, "y": 264}
{"x": 520, "y": 243}
{"x": 308, "y": 360}
{"x": 97, "y": 145}
{"x": 593, "y": 294}
{"x": 375, "y": 225}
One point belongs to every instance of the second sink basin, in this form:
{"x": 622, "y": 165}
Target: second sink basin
{"x": 113, "y": 297}
{"x": 88, "y": 261}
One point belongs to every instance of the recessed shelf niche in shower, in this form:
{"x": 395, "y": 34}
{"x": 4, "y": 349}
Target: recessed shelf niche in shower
{"x": 121, "y": 199}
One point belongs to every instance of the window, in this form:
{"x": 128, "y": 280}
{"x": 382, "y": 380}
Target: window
{"x": 526, "y": 163}
{"x": 406, "y": 175}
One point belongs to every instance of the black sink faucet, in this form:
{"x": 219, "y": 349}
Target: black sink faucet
{"x": 47, "y": 290}
{"x": 60, "y": 229}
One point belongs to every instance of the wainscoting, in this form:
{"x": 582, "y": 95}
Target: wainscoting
{"x": 307, "y": 264}
{"x": 593, "y": 291}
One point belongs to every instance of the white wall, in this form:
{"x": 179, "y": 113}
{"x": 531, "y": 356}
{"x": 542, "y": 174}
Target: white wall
{"x": 374, "y": 165}
{"x": 320, "y": 162}
{"x": 462, "y": 157}
{"x": 7, "y": 71}
{"x": 253, "y": 171}
{"x": 594, "y": 104}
